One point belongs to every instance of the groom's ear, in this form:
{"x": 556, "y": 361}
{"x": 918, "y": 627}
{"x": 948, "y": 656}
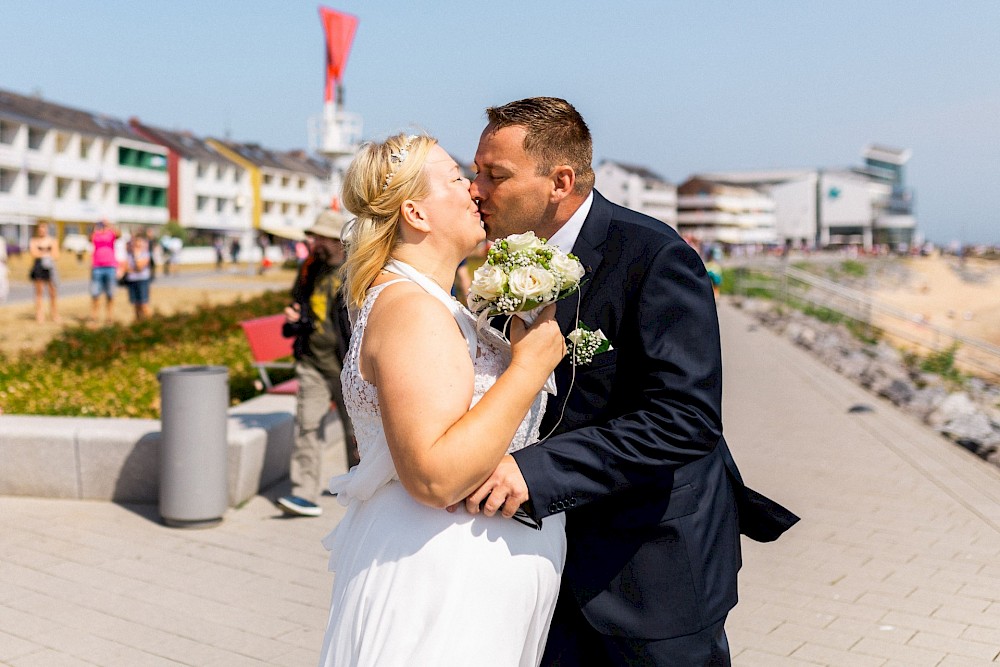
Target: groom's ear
{"x": 563, "y": 182}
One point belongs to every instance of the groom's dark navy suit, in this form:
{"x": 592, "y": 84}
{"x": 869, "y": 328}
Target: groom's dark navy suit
{"x": 638, "y": 459}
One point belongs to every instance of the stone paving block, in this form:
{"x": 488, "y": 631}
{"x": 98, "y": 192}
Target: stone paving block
{"x": 907, "y": 604}
{"x": 771, "y": 643}
{"x": 13, "y": 647}
{"x": 963, "y": 661}
{"x": 989, "y": 634}
{"x": 49, "y": 658}
{"x": 841, "y": 641}
{"x": 910, "y": 655}
{"x": 918, "y": 622}
{"x": 824, "y": 655}
{"x": 879, "y": 631}
{"x": 755, "y": 658}
{"x": 968, "y": 648}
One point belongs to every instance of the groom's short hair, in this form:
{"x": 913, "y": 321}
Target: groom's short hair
{"x": 556, "y": 134}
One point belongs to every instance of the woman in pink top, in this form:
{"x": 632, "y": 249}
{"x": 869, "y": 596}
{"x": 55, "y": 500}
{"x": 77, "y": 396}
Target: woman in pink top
{"x": 103, "y": 269}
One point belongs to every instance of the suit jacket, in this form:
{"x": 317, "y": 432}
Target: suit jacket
{"x": 638, "y": 458}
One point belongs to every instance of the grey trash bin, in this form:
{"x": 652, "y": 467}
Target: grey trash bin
{"x": 193, "y": 464}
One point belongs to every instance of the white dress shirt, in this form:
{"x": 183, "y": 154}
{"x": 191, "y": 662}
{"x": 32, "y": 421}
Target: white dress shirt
{"x": 565, "y": 237}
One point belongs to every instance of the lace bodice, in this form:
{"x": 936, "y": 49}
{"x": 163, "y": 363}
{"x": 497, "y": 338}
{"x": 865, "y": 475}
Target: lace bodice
{"x": 361, "y": 400}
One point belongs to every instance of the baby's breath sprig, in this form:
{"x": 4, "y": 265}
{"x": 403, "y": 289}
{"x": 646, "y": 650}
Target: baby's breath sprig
{"x": 586, "y": 344}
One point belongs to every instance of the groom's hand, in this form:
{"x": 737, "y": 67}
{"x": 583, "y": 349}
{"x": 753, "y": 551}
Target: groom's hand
{"x": 505, "y": 490}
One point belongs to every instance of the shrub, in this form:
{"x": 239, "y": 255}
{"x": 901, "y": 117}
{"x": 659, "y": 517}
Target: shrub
{"x": 111, "y": 372}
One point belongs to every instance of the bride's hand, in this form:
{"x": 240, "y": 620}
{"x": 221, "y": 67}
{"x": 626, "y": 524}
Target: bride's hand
{"x": 541, "y": 346}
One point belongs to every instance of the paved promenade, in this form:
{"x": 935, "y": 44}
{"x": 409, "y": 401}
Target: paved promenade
{"x": 896, "y": 560}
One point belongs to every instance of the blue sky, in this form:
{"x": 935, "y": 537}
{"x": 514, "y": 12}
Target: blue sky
{"x": 679, "y": 87}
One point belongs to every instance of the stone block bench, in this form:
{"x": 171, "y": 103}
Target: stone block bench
{"x": 118, "y": 459}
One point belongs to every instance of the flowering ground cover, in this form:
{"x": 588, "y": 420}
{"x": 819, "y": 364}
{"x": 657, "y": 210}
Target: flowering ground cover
{"x": 111, "y": 372}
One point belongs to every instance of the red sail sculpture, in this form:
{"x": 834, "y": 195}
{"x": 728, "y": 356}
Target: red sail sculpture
{"x": 339, "y": 28}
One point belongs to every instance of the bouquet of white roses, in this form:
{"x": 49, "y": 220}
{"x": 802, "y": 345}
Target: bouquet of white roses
{"x": 521, "y": 274}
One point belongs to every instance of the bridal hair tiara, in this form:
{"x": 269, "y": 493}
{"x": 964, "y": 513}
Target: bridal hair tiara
{"x": 396, "y": 159}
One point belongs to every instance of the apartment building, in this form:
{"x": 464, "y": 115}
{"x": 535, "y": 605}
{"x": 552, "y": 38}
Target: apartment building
{"x": 713, "y": 212}
{"x": 289, "y": 189}
{"x": 208, "y": 193}
{"x": 72, "y": 167}
{"x": 639, "y": 189}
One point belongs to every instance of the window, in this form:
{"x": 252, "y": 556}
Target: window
{"x": 7, "y": 178}
{"x": 85, "y": 145}
{"x": 268, "y": 206}
{"x": 302, "y": 184}
{"x": 284, "y": 181}
{"x": 62, "y": 187}
{"x": 267, "y": 179}
{"x": 302, "y": 209}
{"x": 220, "y": 205}
{"x": 219, "y": 173}
{"x": 35, "y": 182}
{"x": 62, "y": 142}
{"x": 35, "y": 138}
{"x": 141, "y": 195}
{"x": 8, "y": 132}
{"x": 284, "y": 208}
{"x": 201, "y": 170}
{"x": 86, "y": 190}
{"x": 133, "y": 157}
{"x": 202, "y": 203}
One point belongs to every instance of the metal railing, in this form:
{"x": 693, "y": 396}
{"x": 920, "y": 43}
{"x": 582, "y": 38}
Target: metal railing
{"x": 794, "y": 286}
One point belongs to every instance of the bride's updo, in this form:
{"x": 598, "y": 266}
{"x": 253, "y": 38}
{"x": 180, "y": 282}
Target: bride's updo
{"x": 381, "y": 177}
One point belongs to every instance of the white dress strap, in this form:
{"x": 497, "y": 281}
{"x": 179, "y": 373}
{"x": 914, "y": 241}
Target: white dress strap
{"x": 458, "y": 311}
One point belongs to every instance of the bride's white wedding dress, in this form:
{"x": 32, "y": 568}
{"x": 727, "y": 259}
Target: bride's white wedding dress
{"x": 418, "y": 586}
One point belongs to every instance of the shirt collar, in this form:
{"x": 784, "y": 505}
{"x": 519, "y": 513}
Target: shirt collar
{"x": 565, "y": 237}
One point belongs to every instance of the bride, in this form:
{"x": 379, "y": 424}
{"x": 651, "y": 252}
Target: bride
{"x": 435, "y": 404}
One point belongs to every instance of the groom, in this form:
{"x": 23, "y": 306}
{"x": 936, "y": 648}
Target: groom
{"x": 655, "y": 503}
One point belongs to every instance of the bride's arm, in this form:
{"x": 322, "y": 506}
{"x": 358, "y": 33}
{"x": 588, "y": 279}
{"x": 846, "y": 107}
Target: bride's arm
{"x": 415, "y": 354}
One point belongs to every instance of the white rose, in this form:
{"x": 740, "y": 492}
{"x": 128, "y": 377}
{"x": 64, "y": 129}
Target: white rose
{"x": 576, "y": 336}
{"x": 570, "y": 270}
{"x": 516, "y": 242}
{"x": 531, "y": 282}
{"x": 487, "y": 282}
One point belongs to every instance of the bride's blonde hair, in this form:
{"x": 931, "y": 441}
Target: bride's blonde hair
{"x": 381, "y": 177}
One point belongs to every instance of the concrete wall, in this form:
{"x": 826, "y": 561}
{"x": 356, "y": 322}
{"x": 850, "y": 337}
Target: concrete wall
{"x": 118, "y": 459}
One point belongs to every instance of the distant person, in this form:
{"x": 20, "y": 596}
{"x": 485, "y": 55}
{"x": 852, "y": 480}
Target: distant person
{"x": 138, "y": 272}
{"x": 220, "y": 253}
{"x": 103, "y": 270}
{"x": 317, "y": 319}
{"x": 4, "y": 271}
{"x": 44, "y": 251}
{"x": 171, "y": 246}
{"x": 234, "y": 251}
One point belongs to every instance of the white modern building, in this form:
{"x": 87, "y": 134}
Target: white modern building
{"x": 712, "y": 212}
{"x": 289, "y": 189}
{"x": 208, "y": 193}
{"x": 72, "y": 167}
{"x": 860, "y": 206}
{"x": 639, "y": 189}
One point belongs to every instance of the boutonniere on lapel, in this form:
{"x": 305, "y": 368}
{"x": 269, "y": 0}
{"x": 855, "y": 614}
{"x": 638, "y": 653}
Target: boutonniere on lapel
{"x": 585, "y": 344}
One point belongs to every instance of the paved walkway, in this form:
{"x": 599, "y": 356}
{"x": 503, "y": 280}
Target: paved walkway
{"x": 896, "y": 560}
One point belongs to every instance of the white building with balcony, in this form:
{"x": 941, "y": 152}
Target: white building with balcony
{"x": 716, "y": 213}
{"x": 639, "y": 189}
{"x": 289, "y": 188}
{"x": 73, "y": 167}
{"x": 859, "y": 206}
{"x": 208, "y": 192}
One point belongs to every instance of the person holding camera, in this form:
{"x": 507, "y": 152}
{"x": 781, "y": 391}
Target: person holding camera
{"x": 317, "y": 319}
